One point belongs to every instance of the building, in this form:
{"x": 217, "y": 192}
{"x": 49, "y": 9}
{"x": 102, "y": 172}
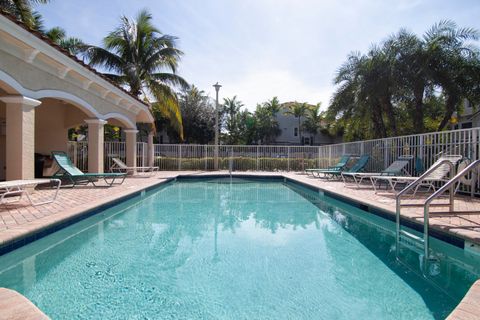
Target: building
{"x": 292, "y": 134}
{"x": 44, "y": 91}
{"x": 469, "y": 118}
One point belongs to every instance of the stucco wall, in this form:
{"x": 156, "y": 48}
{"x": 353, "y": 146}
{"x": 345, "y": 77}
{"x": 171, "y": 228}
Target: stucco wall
{"x": 32, "y": 77}
{"x": 2, "y": 141}
{"x": 50, "y": 130}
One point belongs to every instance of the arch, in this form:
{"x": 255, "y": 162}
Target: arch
{"x": 129, "y": 124}
{"x": 145, "y": 116}
{"x": 11, "y": 85}
{"x": 48, "y": 93}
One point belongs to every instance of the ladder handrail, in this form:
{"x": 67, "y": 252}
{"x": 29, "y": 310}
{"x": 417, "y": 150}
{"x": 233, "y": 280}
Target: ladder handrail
{"x": 420, "y": 178}
{"x": 454, "y": 180}
{"x": 410, "y": 187}
{"x": 449, "y": 185}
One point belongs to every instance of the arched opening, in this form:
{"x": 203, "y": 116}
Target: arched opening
{"x": 53, "y": 120}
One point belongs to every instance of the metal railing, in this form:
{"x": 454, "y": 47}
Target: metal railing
{"x": 295, "y": 158}
{"x": 407, "y": 189}
{"x": 450, "y": 186}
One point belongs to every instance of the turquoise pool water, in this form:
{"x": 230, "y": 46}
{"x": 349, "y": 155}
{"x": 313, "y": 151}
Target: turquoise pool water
{"x": 247, "y": 250}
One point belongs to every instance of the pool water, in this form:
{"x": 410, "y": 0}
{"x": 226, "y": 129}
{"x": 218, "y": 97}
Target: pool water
{"x": 248, "y": 250}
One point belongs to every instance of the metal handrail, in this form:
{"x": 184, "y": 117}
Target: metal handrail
{"x": 410, "y": 187}
{"x": 449, "y": 185}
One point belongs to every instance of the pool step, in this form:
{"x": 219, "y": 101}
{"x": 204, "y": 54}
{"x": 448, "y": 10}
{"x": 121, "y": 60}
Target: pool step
{"x": 412, "y": 241}
{"x": 421, "y": 205}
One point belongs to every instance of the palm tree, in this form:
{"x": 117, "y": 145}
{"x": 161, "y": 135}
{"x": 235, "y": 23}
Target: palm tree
{"x": 22, "y": 9}
{"x": 59, "y": 36}
{"x": 273, "y": 106}
{"x": 144, "y": 60}
{"x": 313, "y": 120}
{"x": 454, "y": 63}
{"x": 297, "y": 110}
{"x": 231, "y": 108}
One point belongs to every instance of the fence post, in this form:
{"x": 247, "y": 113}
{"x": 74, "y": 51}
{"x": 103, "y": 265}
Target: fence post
{"x": 318, "y": 163}
{"x": 385, "y": 153}
{"x": 288, "y": 159}
{"x": 179, "y": 157}
{"x": 206, "y": 157}
{"x": 362, "y": 148}
{"x": 75, "y": 153}
{"x": 257, "y": 156}
{"x": 329, "y": 155}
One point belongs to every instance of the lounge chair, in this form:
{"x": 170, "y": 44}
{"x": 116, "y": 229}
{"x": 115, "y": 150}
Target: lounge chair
{"x": 437, "y": 175}
{"x": 23, "y": 187}
{"x": 71, "y": 173}
{"x": 358, "y": 167}
{"x": 395, "y": 169}
{"x": 120, "y": 166}
{"x": 339, "y": 166}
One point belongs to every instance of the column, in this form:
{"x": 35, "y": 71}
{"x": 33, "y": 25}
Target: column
{"x": 131, "y": 147}
{"x": 95, "y": 145}
{"x": 151, "y": 150}
{"x": 20, "y": 144}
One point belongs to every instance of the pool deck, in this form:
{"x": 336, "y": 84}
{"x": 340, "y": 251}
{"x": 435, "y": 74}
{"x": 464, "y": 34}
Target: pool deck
{"x": 19, "y": 220}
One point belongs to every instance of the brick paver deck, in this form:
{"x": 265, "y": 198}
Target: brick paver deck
{"x": 19, "y": 219}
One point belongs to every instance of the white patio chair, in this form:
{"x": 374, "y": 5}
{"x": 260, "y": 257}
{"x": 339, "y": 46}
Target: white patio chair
{"x": 23, "y": 187}
{"x": 440, "y": 174}
{"x": 120, "y": 166}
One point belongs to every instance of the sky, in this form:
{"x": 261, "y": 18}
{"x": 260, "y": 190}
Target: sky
{"x": 258, "y": 49}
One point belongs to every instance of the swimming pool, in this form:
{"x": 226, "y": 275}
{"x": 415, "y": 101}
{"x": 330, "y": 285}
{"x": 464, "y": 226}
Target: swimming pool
{"x": 242, "y": 249}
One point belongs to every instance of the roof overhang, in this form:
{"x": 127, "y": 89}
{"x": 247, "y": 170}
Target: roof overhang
{"x": 62, "y": 63}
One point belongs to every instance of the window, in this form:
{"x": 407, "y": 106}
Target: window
{"x": 466, "y": 125}
{"x": 295, "y": 132}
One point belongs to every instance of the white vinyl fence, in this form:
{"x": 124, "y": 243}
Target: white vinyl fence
{"x": 425, "y": 147}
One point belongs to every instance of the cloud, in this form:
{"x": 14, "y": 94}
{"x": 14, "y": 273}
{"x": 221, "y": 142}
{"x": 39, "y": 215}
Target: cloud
{"x": 261, "y": 85}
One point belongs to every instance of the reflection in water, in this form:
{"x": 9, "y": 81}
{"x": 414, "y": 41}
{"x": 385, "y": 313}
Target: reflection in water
{"x": 243, "y": 250}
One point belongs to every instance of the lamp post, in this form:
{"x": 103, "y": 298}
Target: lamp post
{"x": 217, "y": 88}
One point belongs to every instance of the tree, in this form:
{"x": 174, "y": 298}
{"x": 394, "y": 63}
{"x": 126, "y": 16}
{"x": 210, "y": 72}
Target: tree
{"x": 398, "y": 86}
{"x": 231, "y": 119}
{"x": 297, "y": 110}
{"x": 23, "y": 10}
{"x": 313, "y": 120}
{"x": 266, "y": 124}
{"x": 198, "y": 115}
{"x": 454, "y": 64}
{"x": 59, "y": 36}
{"x": 273, "y": 106}
{"x": 144, "y": 60}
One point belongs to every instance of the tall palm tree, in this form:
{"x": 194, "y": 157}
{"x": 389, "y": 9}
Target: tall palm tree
{"x": 22, "y": 9}
{"x": 297, "y": 110}
{"x": 143, "y": 59}
{"x": 454, "y": 63}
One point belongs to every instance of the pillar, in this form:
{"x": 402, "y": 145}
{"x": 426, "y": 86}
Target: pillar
{"x": 95, "y": 145}
{"x": 131, "y": 147}
{"x": 20, "y": 142}
{"x": 151, "y": 150}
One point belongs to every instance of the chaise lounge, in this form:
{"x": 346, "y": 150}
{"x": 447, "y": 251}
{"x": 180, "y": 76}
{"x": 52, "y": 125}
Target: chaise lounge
{"x": 68, "y": 171}
{"x": 342, "y": 163}
{"x": 120, "y": 166}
